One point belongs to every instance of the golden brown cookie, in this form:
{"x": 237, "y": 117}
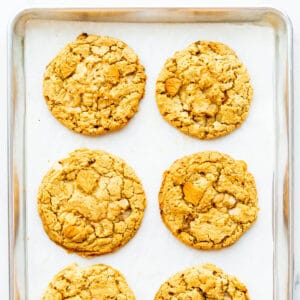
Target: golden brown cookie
{"x": 208, "y": 199}
{"x": 202, "y": 282}
{"x": 88, "y": 283}
{"x": 94, "y": 84}
{"x": 91, "y": 202}
{"x": 204, "y": 90}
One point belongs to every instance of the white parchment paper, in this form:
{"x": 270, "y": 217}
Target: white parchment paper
{"x": 150, "y": 145}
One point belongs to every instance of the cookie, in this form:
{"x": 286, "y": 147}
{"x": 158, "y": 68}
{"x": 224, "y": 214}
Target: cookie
{"x": 204, "y": 90}
{"x": 208, "y": 200}
{"x": 94, "y": 84}
{"x": 91, "y": 202}
{"x": 202, "y": 282}
{"x": 88, "y": 283}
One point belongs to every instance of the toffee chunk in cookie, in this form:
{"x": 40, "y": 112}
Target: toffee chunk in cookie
{"x": 94, "y": 84}
{"x": 88, "y": 283}
{"x": 204, "y": 90}
{"x": 91, "y": 202}
{"x": 208, "y": 200}
{"x": 202, "y": 282}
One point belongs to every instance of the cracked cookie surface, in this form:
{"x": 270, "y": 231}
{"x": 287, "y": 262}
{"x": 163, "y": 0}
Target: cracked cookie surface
{"x": 88, "y": 283}
{"x": 208, "y": 199}
{"x": 94, "y": 84}
{"x": 91, "y": 202}
{"x": 204, "y": 90}
{"x": 202, "y": 282}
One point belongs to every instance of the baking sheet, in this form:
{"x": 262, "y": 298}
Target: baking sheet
{"x": 150, "y": 145}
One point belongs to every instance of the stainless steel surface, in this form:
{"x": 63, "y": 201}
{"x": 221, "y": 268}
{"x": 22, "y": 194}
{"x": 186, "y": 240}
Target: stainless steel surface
{"x": 283, "y": 115}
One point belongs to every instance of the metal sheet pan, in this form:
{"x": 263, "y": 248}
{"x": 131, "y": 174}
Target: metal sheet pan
{"x": 262, "y": 37}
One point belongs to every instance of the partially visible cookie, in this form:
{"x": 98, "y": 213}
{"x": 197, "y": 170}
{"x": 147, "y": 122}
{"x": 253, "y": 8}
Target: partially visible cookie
{"x": 208, "y": 199}
{"x": 204, "y": 90}
{"x": 88, "y": 283}
{"x": 94, "y": 84}
{"x": 91, "y": 202}
{"x": 202, "y": 282}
